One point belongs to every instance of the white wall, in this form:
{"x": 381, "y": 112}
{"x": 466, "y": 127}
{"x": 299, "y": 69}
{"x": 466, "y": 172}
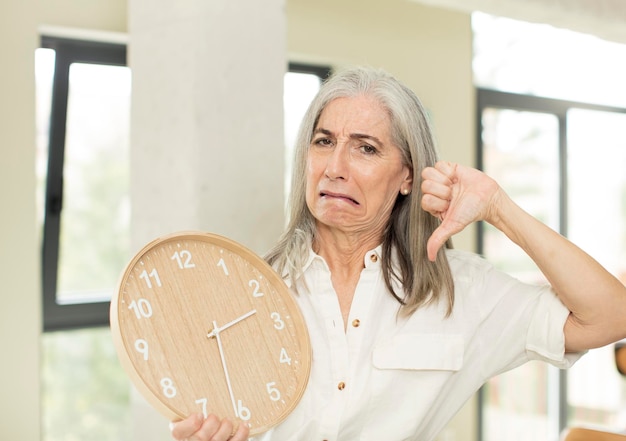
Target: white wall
{"x": 19, "y": 264}
{"x": 427, "y": 48}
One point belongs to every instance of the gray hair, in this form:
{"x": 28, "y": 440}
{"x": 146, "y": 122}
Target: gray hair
{"x": 409, "y": 227}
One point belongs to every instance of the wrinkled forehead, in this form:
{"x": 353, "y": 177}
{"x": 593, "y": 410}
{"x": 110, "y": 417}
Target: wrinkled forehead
{"x": 362, "y": 113}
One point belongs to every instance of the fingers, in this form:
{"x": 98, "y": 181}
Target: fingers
{"x": 197, "y": 428}
{"x": 242, "y": 433}
{"x": 437, "y": 188}
{"x": 213, "y": 429}
{"x": 183, "y": 429}
{"x": 442, "y": 173}
{"x": 447, "y": 168}
{"x": 435, "y": 205}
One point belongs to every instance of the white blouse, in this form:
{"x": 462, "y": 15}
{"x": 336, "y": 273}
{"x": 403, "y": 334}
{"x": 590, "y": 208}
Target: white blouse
{"x": 390, "y": 378}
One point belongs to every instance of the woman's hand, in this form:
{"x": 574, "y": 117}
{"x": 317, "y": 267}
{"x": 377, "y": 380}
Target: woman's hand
{"x": 597, "y": 300}
{"x": 458, "y": 196}
{"x": 197, "y": 428}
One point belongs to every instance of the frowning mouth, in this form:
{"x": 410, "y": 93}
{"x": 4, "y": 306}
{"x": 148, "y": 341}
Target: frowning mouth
{"x": 327, "y": 194}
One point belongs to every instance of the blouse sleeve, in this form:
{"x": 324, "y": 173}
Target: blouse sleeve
{"x": 517, "y": 321}
{"x": 546, "y": 340}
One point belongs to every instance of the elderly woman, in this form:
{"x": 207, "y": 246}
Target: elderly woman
{"x": 404, "y": 329}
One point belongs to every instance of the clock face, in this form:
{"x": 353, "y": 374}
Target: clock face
{"x": 202, "y": 324}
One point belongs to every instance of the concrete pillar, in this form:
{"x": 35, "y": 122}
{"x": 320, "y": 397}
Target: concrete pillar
{"x": 206, "y": 126}
{"x": 207, "y": 148}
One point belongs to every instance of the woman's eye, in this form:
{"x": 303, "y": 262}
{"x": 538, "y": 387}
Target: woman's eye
{"x": 369, "y": 149}
{"x": 323, "y": 142}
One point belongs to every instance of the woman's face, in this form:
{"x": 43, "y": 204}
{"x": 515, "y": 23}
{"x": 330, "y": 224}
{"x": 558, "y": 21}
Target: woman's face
{"x": 354, "y": 171}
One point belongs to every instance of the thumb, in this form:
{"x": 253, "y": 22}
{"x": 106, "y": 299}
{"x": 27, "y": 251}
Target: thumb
{"x": 435, "y": 242}
{"x": 440, "y": 236}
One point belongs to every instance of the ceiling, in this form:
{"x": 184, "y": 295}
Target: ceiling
{"x": 603, "y": 18}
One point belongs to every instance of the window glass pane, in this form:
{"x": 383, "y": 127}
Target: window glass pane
{"x": 597, "y": 223}
{"x": 538, "y": 59}
{"x": 520, "y": 151}
{"x": 85, "y": 394}
{"x": 517, "y": 405}
{"x": 300, "y": 88}
{"x": 95, "y": 222}
{"x": 596, "y": 164}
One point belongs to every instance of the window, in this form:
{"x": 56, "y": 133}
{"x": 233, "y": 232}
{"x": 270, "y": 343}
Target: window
{"x": 301, "y": 84}
{"x": 83, "y": 101}
{"x": 83, "y": 157}
{"x": 87, "y": 208}
{"x": 562, "y": 161}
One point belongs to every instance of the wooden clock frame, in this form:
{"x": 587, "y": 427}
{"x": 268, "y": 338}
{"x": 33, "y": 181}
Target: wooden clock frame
{"x": 202, "y": 324}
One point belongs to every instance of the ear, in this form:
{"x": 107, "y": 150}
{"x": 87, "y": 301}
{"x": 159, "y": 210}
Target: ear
{"x": 407, "y": 183}
{"x": 408, "y": 179}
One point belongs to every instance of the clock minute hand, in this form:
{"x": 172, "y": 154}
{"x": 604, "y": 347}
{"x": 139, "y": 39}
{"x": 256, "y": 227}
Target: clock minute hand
{"x": 216, "y": 334}
{"x": 215, "y": 330}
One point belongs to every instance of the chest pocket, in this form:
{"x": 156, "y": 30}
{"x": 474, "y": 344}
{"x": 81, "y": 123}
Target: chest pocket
{"x": 420, "y": 352}
{"x": 409, "y": 376}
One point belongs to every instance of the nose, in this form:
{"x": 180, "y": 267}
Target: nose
{"x": 337, "y": 165}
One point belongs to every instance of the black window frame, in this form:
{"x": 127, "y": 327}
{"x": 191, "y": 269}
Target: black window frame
{"x": 495, "y": 99}
{"x": 58, "y": 316}
{"x": 321, "y": 71}
{"x": 67, "y": 51}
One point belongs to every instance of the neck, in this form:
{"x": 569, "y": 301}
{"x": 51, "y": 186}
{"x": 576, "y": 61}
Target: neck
{"x": 343, "y": 252}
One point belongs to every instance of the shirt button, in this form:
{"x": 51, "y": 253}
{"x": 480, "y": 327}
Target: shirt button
{"x": 341, "y": 385}
{"x": 356, "y": 323}
{"x": 374, "y": 258}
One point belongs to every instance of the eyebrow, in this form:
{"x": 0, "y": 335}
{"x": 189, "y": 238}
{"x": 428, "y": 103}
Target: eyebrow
{"x": 352, "y": 135}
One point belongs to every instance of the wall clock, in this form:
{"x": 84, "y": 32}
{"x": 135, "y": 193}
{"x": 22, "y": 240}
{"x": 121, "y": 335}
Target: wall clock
{"x": 202, "y": 324}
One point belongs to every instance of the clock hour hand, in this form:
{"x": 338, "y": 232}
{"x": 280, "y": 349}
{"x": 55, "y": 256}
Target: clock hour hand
{"x": 217, "y": 329}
